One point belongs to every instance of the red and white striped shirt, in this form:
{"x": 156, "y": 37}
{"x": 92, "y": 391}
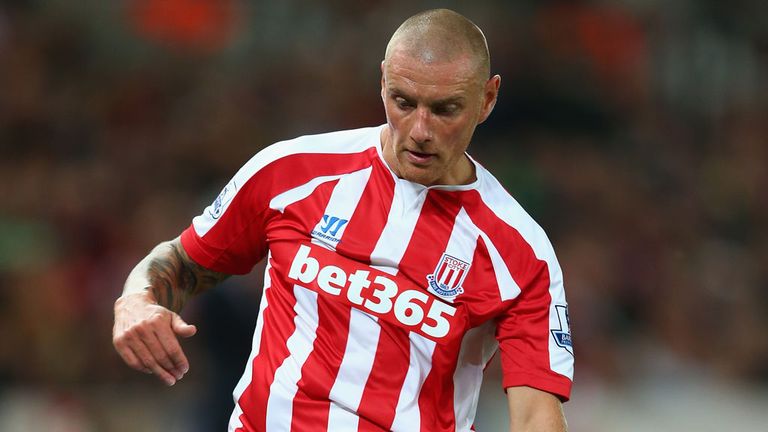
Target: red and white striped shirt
{"x": 384, "y": 299}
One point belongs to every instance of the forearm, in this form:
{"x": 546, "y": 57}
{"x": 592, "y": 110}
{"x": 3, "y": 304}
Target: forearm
{"x": 541, "y": 423}
{"x": 170, "y": 276}
{"x": 532, "y": 410}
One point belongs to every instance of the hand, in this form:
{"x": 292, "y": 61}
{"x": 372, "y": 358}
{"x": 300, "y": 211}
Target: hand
{"x": 145, "y": 336}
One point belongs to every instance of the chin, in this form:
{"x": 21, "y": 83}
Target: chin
{"x": 419, "y": 176}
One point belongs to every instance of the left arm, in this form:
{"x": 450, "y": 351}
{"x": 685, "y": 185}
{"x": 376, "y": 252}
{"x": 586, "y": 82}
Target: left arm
{"x": 532, "y": 410}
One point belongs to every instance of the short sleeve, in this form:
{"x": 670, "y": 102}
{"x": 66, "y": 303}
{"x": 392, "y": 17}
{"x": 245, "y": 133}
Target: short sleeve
{"x": 534, "y": 333}
{"x": 229, "y": 235}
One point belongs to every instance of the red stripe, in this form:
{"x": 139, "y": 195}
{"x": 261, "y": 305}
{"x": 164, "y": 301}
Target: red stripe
{"x": 237, "y": 242}
{"x": 297, "y": 219}
{"x": 482, "y": 290}
{"x": 441, "y": 272}
{"x": 449, "y": 277}
{"x": 278, "y": 326}
{"x": 382, "y": 390}
{"x": 436, "y": 397}
{"x": 370, "y": 216}
{"x": 523, "y": 336}
{"x": 311, "y": 404}
{"x": 429, "y": 241}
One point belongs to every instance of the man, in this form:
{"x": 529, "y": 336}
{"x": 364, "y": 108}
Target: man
{"x": 396, "y": 265}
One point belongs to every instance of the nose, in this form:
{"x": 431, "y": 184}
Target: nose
{"x": 421, "y": 132}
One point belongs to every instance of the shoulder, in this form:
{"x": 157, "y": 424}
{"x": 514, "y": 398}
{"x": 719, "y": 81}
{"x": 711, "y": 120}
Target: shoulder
{"x": 337, "y": 142}
{"x": 302, "y": 153}
{"x": 507, "y": 210}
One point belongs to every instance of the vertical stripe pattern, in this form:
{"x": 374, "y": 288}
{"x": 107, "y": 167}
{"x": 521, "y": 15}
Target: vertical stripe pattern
{"x": 467, "y": 252}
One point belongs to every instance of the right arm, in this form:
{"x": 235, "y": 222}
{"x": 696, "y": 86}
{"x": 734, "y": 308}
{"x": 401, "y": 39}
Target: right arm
{"x": 146, "y": 314}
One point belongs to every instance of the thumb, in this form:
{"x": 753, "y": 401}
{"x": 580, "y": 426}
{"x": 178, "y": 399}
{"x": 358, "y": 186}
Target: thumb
{"x": 181, "y": 328}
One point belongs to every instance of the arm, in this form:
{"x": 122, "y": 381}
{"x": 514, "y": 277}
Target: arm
{"x": 146, "y": 319}
{"x": 534, "y": 410}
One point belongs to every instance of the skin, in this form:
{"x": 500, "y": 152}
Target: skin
{"x": 147, "y": 324}
{"x": 435, "y": 91}
{"x": 532, "y": 410}
{"x": 432, "y": 111}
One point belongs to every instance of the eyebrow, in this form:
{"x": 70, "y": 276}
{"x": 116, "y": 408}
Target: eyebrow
{"x": 439, "y": 102}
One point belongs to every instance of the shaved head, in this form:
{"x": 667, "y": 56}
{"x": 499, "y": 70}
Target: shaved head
{"x": 441, "y": 36}
{"x": 436, "y": 89}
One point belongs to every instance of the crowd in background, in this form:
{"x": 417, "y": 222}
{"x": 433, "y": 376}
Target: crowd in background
{"x": 634, "y": 131}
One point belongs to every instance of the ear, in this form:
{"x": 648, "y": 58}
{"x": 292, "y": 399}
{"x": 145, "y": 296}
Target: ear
{"x": 490, "y": 95}
{"x": 382, "y": 79}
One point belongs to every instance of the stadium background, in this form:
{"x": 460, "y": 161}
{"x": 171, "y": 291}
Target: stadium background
{"x": 635, "y": 132}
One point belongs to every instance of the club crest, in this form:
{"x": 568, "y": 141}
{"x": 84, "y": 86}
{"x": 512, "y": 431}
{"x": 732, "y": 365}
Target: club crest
{"x": 448, "y": 276}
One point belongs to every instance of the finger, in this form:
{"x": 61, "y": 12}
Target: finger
{"x": 149, "y": 362}
{"x": 158, "y": 351}
{"x": 174, "y": 352}
{"x": 126, "y": 353}
{"x": 181, "y": 328}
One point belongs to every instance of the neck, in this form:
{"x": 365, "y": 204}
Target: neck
{"x": 461, "y": 173}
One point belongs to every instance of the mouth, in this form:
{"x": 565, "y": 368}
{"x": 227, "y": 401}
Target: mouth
{"x": 419, "y": 158}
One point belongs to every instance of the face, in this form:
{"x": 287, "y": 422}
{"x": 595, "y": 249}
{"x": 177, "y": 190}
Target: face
{"x": 432, "y": 111}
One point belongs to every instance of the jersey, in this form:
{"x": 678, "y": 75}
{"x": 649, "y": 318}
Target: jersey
{"x": 383, "y": 299}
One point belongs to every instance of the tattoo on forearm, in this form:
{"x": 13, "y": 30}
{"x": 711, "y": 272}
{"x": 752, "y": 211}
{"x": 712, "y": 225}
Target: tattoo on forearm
{"x": 174, "y": 278}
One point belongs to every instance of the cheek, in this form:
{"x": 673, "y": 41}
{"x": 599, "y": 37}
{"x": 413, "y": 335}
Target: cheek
{"x": 393, "y": 116}
{"x": 453, "y": 133}
{"x": 399, "y": 124}
{"x": 456, "y": 138}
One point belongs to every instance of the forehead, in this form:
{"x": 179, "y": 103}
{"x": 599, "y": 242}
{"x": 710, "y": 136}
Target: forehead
{"x": 426, "y": 75}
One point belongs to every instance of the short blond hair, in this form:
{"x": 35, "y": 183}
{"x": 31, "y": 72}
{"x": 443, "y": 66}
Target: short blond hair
{"x": 441, "y": 35}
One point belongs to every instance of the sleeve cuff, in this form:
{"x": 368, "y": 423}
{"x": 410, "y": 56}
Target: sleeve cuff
{"x": 199, "y": 253}
{"x": 559, "y": 385}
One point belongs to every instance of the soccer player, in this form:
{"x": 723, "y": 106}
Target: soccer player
{"x": 397, "y": 266}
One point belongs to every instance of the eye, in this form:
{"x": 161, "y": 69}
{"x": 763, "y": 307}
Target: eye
{"x": 402, "y": 103}
{"x": 447, "y": 109}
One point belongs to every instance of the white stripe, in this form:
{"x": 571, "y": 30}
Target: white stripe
{"x": 364, "y": 331}
{"x": 454, "y": 275}
{"x": 407, "y": 414}
{"x": 477, "y": 347}
{"x": 299, "y": 344}
{"x": 463, "y": 240}
{"x": 407, "y": 201}
{"x": 461, "y": 245}
{"x": 468, "y": 374}
{"x": 280, "y": 202}
{"x": 344, "y": 200}
{"x": 508, "y": 288}
{"x": 394, "y": 241}
{"x": 508, "y": 210}
{"x": 245, "y": 379}
{"x": 347, "y": 390}
{"x": 342, "y": 142}
{"x": 443, "y": 277}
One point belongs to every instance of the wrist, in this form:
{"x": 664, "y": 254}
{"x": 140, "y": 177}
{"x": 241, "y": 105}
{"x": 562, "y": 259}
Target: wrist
{"x": 144, "y": 295}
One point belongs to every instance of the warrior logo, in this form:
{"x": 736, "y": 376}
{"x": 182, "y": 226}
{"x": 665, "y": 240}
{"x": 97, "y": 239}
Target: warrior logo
{"x": 329, "y": 228}
{"x": 332, "y": 224}
{"x": 448, "y": 276}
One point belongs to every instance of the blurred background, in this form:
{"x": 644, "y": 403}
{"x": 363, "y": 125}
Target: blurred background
{"x": 634, "y": 131}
